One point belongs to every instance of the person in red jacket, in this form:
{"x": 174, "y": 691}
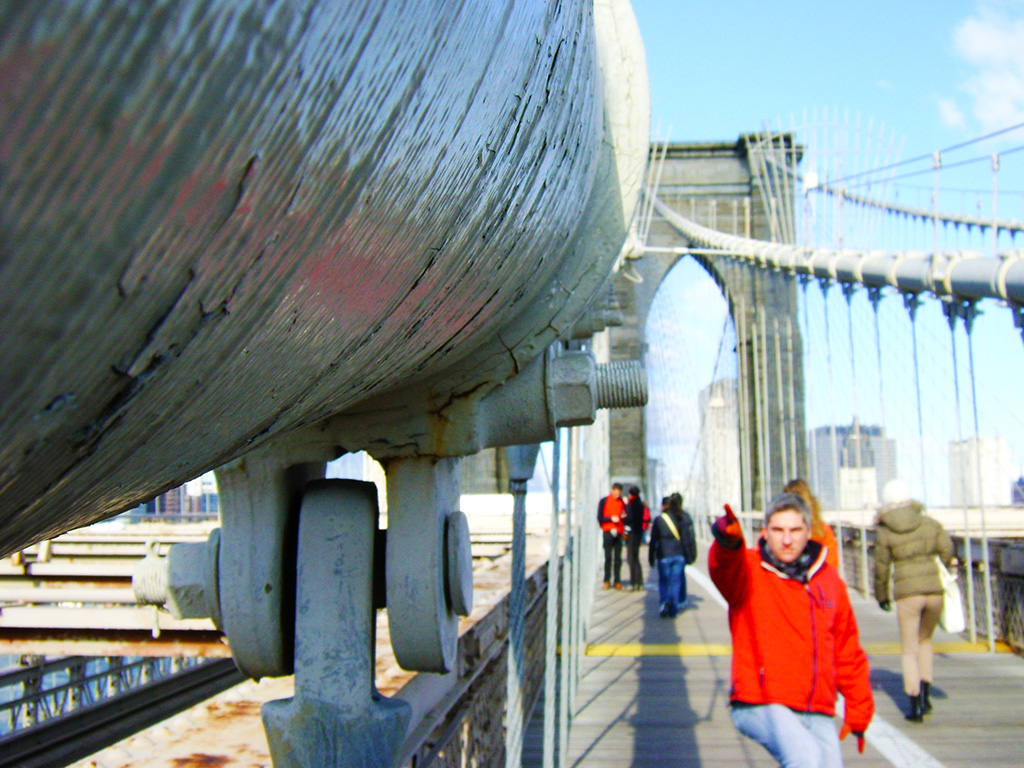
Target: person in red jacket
{"x": 794, "y": 635}
{"x": 610, "y": 516}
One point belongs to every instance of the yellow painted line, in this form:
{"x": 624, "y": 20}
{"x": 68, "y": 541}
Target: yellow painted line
{"x": 656, "y": 649}
{"x": 637, "y": 650}
{"x": 893, "y": 648}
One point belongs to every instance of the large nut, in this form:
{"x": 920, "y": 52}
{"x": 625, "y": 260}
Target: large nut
{"x": 192, "y": 580}
{"x": 571, "y": 389}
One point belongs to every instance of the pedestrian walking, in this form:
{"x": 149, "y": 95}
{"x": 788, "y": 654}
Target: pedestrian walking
{"x": 794, "y": 636}
{"x": 610, "y": 511}
{"x": 821, "y": 531}
{"x": 906, "y": 545}
{"x": 637, "y": 519}
{"x": 673, "y": 546}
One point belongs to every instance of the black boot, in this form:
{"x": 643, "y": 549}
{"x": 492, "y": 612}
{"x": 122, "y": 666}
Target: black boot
{"x": 915, "y": 709}
{"x": 926, "y": 699}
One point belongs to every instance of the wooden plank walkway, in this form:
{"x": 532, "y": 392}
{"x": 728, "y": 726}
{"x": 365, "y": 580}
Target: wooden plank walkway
{"x": 655, "y": 692}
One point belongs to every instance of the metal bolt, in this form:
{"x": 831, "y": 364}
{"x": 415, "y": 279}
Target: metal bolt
{"x": 621, "y": 384}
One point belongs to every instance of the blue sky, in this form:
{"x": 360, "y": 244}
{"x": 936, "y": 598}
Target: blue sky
{"x": 935, "y": 73}
{"x": 938, "y": 71}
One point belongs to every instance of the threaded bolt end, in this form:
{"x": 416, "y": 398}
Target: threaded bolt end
{"x": 621, "y": 384}
{"x": 150, "y": 579}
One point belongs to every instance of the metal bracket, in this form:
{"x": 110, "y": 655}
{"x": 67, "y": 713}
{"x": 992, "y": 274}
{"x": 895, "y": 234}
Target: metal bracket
{"x": 260, "y": 497}
{"x": 337, "y": 718}
{"x": 911, "y": 301}
{"x": 428, "y": 563}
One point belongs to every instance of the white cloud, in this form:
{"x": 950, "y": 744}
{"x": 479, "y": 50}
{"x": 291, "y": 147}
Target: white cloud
{"x": 992, "y": 43}
{"x": 950, "y": 114}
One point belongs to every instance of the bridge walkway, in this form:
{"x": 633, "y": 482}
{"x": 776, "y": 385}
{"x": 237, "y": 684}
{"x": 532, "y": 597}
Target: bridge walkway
{"x": 654, "y": 692}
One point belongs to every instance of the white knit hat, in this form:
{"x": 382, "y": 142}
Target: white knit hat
{"x": 895, "y": 492}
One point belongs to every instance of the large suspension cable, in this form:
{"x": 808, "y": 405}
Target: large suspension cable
{"x": 924, "y": 214}
{"x": 964, "y": 276}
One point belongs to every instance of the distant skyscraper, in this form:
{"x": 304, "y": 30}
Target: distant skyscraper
{"x": 995, "y": 472}
{"x": 1017, "y": 492}
{"x": 866, "y": 462}
{"x": 719, "y": 453}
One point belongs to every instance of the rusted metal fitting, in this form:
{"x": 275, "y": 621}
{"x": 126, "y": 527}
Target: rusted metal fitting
{"x": 185, "y": 582}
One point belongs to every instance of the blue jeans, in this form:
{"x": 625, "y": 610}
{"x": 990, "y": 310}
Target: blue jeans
{"x": 671, "y": 583}
{"x": 795, "y": 739}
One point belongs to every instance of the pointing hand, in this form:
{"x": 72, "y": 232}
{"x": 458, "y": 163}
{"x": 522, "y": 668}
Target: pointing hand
{"x": 727, "y": 531}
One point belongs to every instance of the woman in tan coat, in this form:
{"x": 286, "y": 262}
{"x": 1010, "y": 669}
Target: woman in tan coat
{"x": 907, "y": 542}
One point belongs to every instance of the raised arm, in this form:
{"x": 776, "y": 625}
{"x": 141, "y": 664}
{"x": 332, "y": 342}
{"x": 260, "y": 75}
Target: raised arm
{"x": 727, "y": 560}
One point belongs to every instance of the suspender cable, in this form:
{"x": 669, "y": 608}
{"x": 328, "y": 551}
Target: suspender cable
{"x": 912, "y": 301}
{"x": 813, "y": 457}
{"x": 793, "y": 421}
{"x": 743, "y": 392}
{"x": 551, "y": 619}
{"x": 782, "y": 400}
{"x": 875, "y": 296}
{"x": 950, "y": 310}
{"x": 995, "y": 208}
{"x": 579, "y": 551}
{"x": 766, "y": 411}
{"x": 825, "y": 285}
{"x": 760, "y": 171}
{"x": 758, "y": 420}
{"x": 565, "y": 660}
{"x": 970, "y": 312}
{"x": 516, "y": 653}
{"x": 858, "y": 436}
{"x": 858, "y": 463}
{"x": 936, "y": 165}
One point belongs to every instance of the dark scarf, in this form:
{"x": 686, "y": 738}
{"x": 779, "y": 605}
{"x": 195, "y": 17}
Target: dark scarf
{"x": 798, "y": 569}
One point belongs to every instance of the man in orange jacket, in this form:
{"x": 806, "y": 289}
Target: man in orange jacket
{"x": 610, "y": 516}
{"x": 794, "y": 636}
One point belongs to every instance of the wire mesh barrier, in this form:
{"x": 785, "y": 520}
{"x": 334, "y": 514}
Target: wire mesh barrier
{"x": 1007, "y": 589}
{"x": 68, "y": 720}
{"x": 471, "y": 729}
{"x": 39, "y": 691}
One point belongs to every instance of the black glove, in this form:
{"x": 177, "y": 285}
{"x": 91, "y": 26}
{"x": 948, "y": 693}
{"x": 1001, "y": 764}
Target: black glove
{"x": 885, "y": 605}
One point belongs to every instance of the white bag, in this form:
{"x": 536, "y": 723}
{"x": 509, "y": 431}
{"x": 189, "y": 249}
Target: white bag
{"x": 952, "y": 618}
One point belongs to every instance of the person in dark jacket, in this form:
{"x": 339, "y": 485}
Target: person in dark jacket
{"x": 610, "y": 512}
{"x": 907, "y": 542}
{"x": 673, "y": 546}
{"x": 637, "y": 518}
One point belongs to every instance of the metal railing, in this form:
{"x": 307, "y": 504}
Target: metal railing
{"x": 85, "y": 710}
{"x": 858, "y": 547}
{"x": 40, "y": 690}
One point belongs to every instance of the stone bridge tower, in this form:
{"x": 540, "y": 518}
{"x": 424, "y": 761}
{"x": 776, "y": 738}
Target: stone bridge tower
{"x": 721, "y": 185}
